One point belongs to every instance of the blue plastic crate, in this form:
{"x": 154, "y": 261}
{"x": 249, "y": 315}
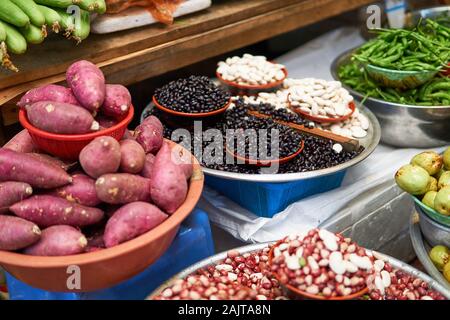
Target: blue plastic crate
{"x": 267, "y": 199}
{"x": 192, "y": 244}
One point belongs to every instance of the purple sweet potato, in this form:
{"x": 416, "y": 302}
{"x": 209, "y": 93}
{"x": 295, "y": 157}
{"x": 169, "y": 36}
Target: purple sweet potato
{"x": 50, "y": 92}
{"x": 150, "y": 134}
{"x": 131, "y": 221}
{"x": 17, "y": 233}
{"x": 132, "y": 156}
{"x": 128, "y": 135}
{"x": 12, "y": 192}
{"x": 87, "y": 83}
{"x": 148, "y": 166}
{"x": 100, "y": 156}
{"x": 168, "y": 184}
{"x": 58, "y": 241}
{"x": 65, "y": 165}
{"x": 117, "y": 101}
{"x": 105, "y": 122}
{"x": 184, "y": 160}
{"x": 16, "y": 166}
{"x": 81, "y": 191}
{"x": 122, "y": 188}
{"x": 63, "y": 118}
{"x": 47, "y": 210}
{"x": 21, "y": 142}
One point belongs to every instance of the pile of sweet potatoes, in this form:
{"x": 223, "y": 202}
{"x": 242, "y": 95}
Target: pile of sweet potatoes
{"x": 87, "y": 105}
{"x": 117, "y": 191}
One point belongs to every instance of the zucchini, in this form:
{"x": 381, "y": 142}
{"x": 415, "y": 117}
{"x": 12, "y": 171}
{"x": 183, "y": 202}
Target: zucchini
{"x": 12, "y": 14}
{"x": 15, "y": 42}
{"x": 67, "y": 22}
{"x": 2, "y": 33}
{"x": 101, "y": 6}
{"x": 4, "y": 58}
{"x": 52, "y": 18}
{"x": 29, "y": 7}
{"x": 57, "y": 3}
{"x": 82, "y": 27}
{"x": 33, "y": 34}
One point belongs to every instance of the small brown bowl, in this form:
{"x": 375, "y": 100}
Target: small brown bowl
{"x": 108, "y": 267}
{"x": 306, "y": 295}
{"x": 251, "y": 89}
{"x": 322, "y": 119}
{"x": 191, "y": 115}
{"x": 266, "y": 163}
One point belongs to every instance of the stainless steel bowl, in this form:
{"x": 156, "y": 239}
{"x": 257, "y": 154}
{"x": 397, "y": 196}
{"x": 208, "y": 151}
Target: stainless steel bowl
{"x": 255, "y": 247}
{"x": 404, "y": 126}
{"x": 435, "y": 233}
{"x": 370, "y": 142}
{"x": 421, "y": 248}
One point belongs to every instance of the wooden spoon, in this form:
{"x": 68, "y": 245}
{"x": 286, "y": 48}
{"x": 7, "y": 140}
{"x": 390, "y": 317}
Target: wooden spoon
{"x": 348, "y": 144}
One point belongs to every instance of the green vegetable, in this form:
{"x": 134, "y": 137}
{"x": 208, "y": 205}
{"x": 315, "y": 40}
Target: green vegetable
{"x": 52, "y": 18}
{"x": 2, "y": 33}
{"x": 12, "y": 14}
{"x": 98, "y": 6}
{"x": 82, "y": 27}
{"x": 67, "y": 22}
{"x": 15, "y": 42}
{"x": 58, "y": 3}
{"x": 101, "y": 8}
{"x": 34, "y": 34}
{"x": 29, "y": 7}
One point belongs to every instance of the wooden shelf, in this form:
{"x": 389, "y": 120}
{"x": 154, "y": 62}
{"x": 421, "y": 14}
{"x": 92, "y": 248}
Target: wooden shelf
{"x": 130, "y": 56}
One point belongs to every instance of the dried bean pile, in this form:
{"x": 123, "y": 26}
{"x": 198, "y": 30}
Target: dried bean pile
{"x": 195, "y": 94}
{"x": 318, "y": 153}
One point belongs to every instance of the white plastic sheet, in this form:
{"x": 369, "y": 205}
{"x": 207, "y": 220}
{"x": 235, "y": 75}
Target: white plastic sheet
{"x": 367, "y": 178}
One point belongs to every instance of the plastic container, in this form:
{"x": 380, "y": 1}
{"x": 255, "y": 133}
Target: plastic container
{"x": 192, "y": 244}
{"x": 267, "y": 199}
{"x": 100, "y": 269}
{"x": 67, "y": 146}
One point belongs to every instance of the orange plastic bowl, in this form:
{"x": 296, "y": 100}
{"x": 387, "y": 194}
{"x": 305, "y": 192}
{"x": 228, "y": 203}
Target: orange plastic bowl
{"x": 306, "y": 295}
{"x": 69, "y": 146}
{"x": 250, "y": 89}
{"x": 108, "y": 267}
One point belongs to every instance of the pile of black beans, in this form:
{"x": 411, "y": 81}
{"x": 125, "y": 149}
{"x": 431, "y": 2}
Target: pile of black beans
{"x": 196, "y": 94}
{"x": 317, "y": 153}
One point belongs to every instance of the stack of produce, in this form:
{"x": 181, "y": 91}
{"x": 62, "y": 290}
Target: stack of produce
{"x": 440, "y": 255}
{"x": 117, "y": 191}
{"x": 428, "y": 177}
{"x": 249, "y": 275}
{"x": 26, "y": 21}
{"x": 426, "y": 48}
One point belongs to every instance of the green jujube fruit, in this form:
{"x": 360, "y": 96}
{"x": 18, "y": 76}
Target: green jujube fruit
{"x": 446, "y": 271}
{"x": 433, "y": 184}
{"x": 444, "y": 180}
{"x": 447, "y": 159}
{"x": 440, "y": 256}
{"x": 439, "y": 174}
{"x": 428, "y": 198}
{"x": 413, "y": 179}
{"x": 429, "y": 160}
{"x": 442, "y": 201}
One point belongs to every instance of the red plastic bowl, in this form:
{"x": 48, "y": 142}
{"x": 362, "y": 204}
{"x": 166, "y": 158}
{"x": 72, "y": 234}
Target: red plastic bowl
{"x": 69, "y": 146}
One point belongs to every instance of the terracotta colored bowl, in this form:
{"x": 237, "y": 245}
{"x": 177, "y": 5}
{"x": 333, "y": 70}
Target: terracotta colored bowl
{"x": 251, "y": 89}
{"x": 190, "y": 115}
{"x": 108, "y": 267}
{"x": 306, "y": 295}
{"x": 69, "y": 146}
{"x": 267, "y": 163}
{"x": 322, "y": 119}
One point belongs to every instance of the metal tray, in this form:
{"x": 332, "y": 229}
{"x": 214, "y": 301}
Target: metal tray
{"x": 370, "y": 142}
{"x": 218, "y": 257}
{"x": 421, "y": 247}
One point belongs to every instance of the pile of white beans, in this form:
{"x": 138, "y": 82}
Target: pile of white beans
{"x": 250, "y": 70}
{"x": 354, "y": 127}
{"x": 320, "y": 98}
